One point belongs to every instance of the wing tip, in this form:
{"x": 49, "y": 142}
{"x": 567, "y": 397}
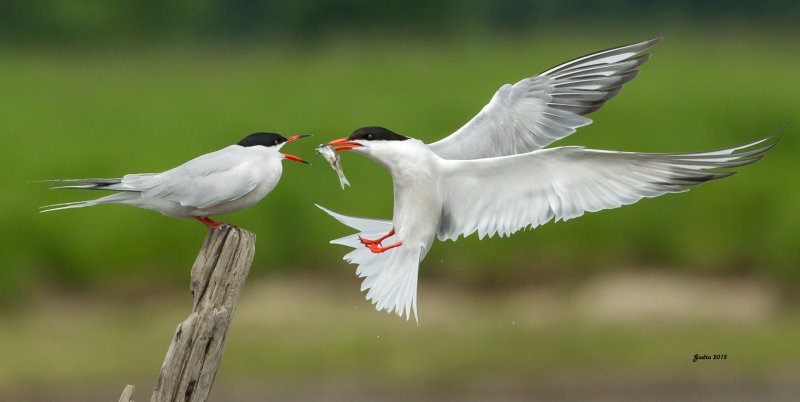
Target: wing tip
{"x": 643, "y": 45}
{"x": 635, "y": 48}
{"x": 652, "y": 41}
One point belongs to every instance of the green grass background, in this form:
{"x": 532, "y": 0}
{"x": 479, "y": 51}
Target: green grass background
{"x": 103, "y": 113}
{"x": 91, "y": 296}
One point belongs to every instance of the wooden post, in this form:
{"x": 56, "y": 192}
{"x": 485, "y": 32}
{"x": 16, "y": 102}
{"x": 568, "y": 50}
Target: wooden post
{"x": 218, "y": 275}
{"x": 127, "y": 394}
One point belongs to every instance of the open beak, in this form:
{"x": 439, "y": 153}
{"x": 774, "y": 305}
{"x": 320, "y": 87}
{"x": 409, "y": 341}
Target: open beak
{"x": 295, "y": 137}
{"x": 292, "y": 157}
{"x": 342, "y": 144}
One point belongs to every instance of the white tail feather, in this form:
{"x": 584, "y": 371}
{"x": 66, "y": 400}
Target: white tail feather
{"x": 67, "y": 205}
{"x": 390, "y": 277}
{"x": 109, "y": 199}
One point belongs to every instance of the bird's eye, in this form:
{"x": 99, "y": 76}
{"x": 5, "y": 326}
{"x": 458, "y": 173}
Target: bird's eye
{"x": 369, "y": 136}
{"x": 276, "y": 142}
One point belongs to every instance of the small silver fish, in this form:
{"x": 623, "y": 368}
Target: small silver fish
{"x": 332, "y": 157}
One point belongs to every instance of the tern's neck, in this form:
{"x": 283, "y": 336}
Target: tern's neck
{"x": 400, "y": 157}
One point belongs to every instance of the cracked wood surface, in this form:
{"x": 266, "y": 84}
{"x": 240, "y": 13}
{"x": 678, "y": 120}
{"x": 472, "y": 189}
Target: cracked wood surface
{"x": 195, "y": 353}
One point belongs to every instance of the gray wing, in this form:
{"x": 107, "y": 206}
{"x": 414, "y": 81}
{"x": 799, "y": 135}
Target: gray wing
{"x": 518, "y": 191}
{"x": 203, "y": 182}
{"x": 88, "y": 184}
{"x": 538, "y": 110}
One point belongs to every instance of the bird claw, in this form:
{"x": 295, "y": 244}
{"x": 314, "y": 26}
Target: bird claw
{"x": 375, "y": 243}
{"x": 368, "y": 242}
{"x": 377, "y": 249}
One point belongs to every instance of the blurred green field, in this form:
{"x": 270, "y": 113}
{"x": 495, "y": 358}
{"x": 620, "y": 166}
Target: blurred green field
{"x": 507, "y": 317}
{"x": 298, "y": 338}
{"x": 71, "y": 113}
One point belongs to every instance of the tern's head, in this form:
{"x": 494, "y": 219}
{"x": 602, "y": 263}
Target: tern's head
{"x": 369, "y": 140}
{"x": 271, "y": 141}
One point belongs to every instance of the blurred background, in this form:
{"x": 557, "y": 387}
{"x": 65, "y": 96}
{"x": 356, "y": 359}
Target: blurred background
{"x": 610, "y": 306}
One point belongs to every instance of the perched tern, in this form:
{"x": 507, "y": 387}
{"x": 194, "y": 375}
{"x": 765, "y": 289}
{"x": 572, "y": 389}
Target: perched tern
{"x": 493, "y": 177}
{"x": 217, "y": 183}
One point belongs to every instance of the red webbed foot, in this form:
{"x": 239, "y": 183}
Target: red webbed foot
{"x": 377, "y": 242}
{"x": 368, "y": 242}
{"x": 377, "y": 249}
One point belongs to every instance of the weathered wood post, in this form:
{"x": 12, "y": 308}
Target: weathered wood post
{"x": 218, "y": 275}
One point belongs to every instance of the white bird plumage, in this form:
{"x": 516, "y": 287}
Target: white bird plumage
{"x": 493, "y": 177}
{"x": 217, "y": 183}
{"x": 538, "y": 110}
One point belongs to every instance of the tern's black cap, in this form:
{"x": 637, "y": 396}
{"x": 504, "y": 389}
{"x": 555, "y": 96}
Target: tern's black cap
{"x": 265, "y": 139}
{"x": 376, "y": 133}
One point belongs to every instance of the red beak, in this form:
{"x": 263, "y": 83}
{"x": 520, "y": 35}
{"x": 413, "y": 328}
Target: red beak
{"x": 342, "y": 144}
{"x": 292, "y": 157}
{"x": 295, "y": 137}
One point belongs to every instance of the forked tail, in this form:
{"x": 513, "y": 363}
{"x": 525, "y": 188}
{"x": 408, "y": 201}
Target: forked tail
{"x": 67, "y": 205}
{"x": 390, "y": 277}
{"x": 110, "y": 199}
{"x": 88, "y": 184}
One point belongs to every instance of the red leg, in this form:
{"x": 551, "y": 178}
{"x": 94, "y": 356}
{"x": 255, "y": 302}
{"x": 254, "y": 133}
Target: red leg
{"x": 209, "y": 223}
{"x": 375, "y": 249}
{"x": 368, "y": 242}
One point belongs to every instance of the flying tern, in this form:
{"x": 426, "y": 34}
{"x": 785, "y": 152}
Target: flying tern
{"x": 217, "y": 183}
{"x": 493, "y": 176}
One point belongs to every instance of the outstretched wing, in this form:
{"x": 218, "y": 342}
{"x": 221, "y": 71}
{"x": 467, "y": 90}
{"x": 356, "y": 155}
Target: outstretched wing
{"x": 503, "y": 195}
{"x": 538, "y": 110}
{"x": 390, "y": 278}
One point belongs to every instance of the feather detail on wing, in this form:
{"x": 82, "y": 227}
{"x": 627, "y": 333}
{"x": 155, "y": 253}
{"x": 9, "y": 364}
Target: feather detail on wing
{"x": 87, "y": 184}
{"x": 538, "y": 110}
{"x": 202, "y": 191}
{"x": 202, "y": 182}
{"x": 503, "y": 195}
{"x": 205, "y": 181}
{"x": 390, "y": 278}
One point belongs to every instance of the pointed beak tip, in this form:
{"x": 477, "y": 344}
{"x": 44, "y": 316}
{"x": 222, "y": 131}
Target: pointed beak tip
{"x": 296, "y": 137}
{"x": 294, "y": 158}
{"x": 343, "y": 144}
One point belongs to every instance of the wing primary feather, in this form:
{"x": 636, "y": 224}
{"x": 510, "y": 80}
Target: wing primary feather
{"x": 91, "y": 184}
{"x": 84, "y": 181}
{"x": 528, "y": 190}
{"x": 621, "y": 52}
{"x": 511, "y": 122}
{"x": 603, "y": 70}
